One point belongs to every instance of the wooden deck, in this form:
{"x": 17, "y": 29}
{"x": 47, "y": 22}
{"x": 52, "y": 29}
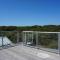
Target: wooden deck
{"x": 26, "y": 53}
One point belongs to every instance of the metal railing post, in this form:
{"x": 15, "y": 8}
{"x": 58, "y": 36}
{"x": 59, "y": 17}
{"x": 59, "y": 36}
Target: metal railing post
{"x": 59, "y": 42}
{"x": 36, "y": 38}
{"x": 17, "y": 37}
{"x": 25, "y": 39}
{"x": 2, "y": 39}
{"x": 32, "y": 37}
{"x": 22, "y": 37}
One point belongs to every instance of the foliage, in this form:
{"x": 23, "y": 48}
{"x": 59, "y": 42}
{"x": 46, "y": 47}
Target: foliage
{"x": 49, "y": 28}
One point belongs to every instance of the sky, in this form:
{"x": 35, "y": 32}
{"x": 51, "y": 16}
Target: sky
{"x": 29, "y": 12}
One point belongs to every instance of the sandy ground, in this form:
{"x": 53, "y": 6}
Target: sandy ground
{"x": 26, "y": 53}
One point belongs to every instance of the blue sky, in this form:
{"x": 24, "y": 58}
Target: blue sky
{"x": 29, "y": 12}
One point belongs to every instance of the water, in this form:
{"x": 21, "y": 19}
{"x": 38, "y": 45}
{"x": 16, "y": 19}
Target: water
{"x": 5, "y": 41}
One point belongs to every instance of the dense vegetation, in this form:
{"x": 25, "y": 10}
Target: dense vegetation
{"x": 48, "y": 40}
{"x": 34, "y": 28}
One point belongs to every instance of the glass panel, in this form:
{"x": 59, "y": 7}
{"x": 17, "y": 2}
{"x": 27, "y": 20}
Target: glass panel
{"x": 8, "y": 39}
{"x": 24, "y": 37}
{"x": 49, "y": 41}
{"x": 29, "y": 38}
{"x": 12, "y": 36}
